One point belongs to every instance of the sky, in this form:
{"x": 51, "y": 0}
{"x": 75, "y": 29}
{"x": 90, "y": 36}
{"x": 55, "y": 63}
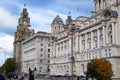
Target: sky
{"x": 41, "y": 13}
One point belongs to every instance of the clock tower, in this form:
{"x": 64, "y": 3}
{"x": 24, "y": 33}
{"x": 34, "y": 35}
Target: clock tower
{"x": 23, "y": 31}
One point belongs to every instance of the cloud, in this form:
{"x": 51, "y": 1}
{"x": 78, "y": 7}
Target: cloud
{"x": 41, "y": 19}
{"x": 8, "y": 22}
{"x": 6, "y": 42}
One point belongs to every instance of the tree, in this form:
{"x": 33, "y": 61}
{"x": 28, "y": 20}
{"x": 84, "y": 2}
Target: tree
{"x": 8, "y": 66}
{"x": 101, "y": 69}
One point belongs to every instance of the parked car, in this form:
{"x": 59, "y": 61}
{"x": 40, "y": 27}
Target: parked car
{"x": 81, "y": 77}
{"x": 2, "y": 77}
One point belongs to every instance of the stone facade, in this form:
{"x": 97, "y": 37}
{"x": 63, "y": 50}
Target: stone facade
{"x": 98, "y": 37}
{"x": 36, "y": 53}
{"x": 23, "y": 31}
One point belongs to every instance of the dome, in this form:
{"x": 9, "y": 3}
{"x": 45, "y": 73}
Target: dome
{"x": 57, "y": 19}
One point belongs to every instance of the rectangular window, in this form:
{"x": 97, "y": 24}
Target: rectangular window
{"x": 83, "y": 42}
{"x": 41, "y": 44}
{"x": 48, "y": 55}
{"x": 41, "y": 55}
{"x": 89, "y": 40}
{"x": 48, "y": 61}
{"x": 41, "y": 49}
{"x": 41, "y": 61}
{"x": 48, "y": 45}
{"x": 96, "y": 43}
{"x": 41, "y": 39}
{"x": 48, "y": 50}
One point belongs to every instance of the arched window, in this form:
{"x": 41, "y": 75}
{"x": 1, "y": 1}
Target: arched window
{"x": 101, "y": 36}
{"x": 89, "y": 40}
{"x": 83, "y": 42}
{"x": 110, "y": 34}
{"x": 95, "y": 39}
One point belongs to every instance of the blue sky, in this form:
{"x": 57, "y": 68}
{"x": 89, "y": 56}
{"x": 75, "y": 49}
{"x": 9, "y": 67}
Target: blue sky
{"x": 41, "y": 13}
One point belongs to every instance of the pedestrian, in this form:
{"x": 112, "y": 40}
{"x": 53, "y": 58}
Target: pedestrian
{"x": 31, "y": 75}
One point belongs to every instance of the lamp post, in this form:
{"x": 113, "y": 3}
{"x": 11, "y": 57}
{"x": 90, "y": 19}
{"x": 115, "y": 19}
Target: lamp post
{"x": 4, "y": 58}
{"x": 72, "y": 29}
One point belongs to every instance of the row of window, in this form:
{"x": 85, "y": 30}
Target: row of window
{"x": 42, "y": 50}
{"x": 41, "y": 61}
{"x": 95, "y": 55}
{"x": 92, "y": 38}
{"x": 43, "y": 45}
{"x": 41, "y": 55}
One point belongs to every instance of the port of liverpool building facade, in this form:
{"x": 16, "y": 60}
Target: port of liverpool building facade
{"x": 98, "y": 37}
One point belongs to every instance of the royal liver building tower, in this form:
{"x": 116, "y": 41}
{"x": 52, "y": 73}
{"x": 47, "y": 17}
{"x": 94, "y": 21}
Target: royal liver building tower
{"x": 98, "y": 36}
{"x": 23, "y": 31}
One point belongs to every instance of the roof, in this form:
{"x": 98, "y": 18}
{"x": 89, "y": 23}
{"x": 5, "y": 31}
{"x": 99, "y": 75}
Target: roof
{"x": 57, "y": 19}
{"x": 113, "y": 13}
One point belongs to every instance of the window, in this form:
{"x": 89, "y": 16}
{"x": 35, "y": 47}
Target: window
{"x": 89, "y": 40}
{"x": 48, "y": 55}
{"x": 48, "y": 61}
{"x": 95, "y": 38}
{"x": 101, "y": 36}
{"x": 110, "y": 34}
{"x": 41, "y": 55}
{"x": 83, "y": 42}
{"x": 41, "y": 49}
{"x": 95, "y": 33}
{"x": 100, "y": 54}
{"x": 41, "y": 44}
{"x": 58, "y": 48}
{"x": 96, "y": 43}
{"x": 65, "y": 47}
{"x": 48, "y": 50}
{"x": 109, "y": 52}
{"x": 61, "y": 47}
{"x": 41, "y": 61}
{"x": 105, "y": 53}
{"x": 48, "y": 45}
{"x": 41, "y": 39}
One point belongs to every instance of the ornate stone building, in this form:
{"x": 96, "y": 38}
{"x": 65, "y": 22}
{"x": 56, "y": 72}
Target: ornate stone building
{"x": 98, "y": 37}
{"x": 23, "y": 31}
{"x": 36, "y": 53}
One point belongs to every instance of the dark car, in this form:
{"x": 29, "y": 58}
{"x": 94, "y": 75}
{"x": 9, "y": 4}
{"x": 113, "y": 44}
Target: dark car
{"x": 81, "y": 77}
{"x": 2, "y": 77}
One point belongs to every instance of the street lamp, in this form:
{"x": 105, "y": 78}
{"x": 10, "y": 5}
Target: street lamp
{"x": 72, "y": 29}
{"x": 4, "y": 57}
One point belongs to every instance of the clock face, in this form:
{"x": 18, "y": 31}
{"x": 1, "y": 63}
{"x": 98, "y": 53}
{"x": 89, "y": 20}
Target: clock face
{"x": 25, "y": 23}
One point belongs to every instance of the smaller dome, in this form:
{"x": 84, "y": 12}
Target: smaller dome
{"x": 57, "y": 19}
